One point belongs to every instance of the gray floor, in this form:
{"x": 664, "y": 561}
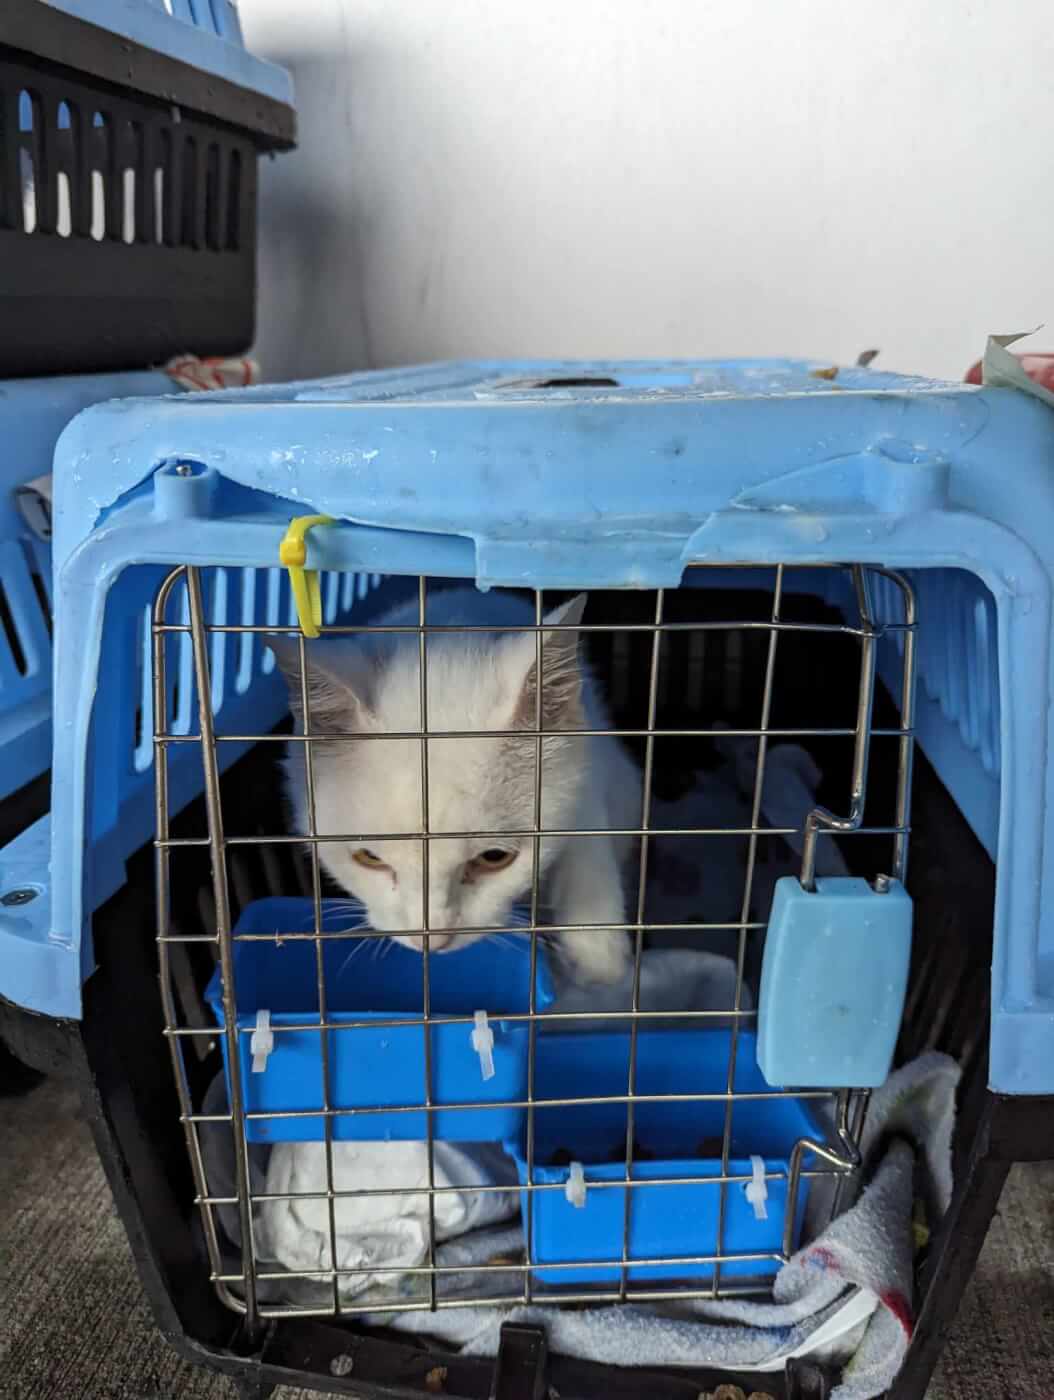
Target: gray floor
{"x": 74, "y": 1323}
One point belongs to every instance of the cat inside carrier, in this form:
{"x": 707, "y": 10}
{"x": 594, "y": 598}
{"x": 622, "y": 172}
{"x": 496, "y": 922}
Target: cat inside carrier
{"x": 544, "y": 880}
{"x": 578, "y": 1082}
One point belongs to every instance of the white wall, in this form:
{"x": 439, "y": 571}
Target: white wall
{"x": 687, "y": 177}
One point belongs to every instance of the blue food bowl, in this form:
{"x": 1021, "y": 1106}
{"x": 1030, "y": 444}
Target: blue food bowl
{"x": 374, "y": 1065}
{"x": 677, "y": 1143}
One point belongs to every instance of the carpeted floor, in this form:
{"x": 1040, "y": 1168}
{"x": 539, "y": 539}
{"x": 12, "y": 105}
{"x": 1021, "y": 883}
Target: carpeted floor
{"x": 74, "y": 1324}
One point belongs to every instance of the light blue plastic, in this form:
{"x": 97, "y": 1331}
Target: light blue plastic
{"x": 205, "y": 33}
{"x": 248, "y": 695}
{"x": 33, "y": 412}
{"x": 476, "y": 471}
{"x": 683, "y": 1139}
{"x": 834, "y": 975}
{"x": 383, "y": 1066}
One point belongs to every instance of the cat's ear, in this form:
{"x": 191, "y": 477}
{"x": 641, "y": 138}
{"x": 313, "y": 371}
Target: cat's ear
{"x": 338, "y": 685}
{"x": 561, "y": 671}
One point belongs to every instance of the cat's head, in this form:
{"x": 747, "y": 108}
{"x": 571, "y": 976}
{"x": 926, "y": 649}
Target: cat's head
{"x": 367, "y": 787}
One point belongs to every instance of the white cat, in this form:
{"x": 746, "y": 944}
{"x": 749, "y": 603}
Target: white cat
{"x": 476, "y": 681}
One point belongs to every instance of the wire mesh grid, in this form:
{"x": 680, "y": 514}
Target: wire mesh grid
{"x": 251, "y": 1283}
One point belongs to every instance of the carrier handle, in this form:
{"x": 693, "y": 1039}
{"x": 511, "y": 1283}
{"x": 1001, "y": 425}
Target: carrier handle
{"x": 307, "y": 594}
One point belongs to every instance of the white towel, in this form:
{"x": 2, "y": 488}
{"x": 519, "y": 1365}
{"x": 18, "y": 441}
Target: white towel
{"x": 848, "y": 1294}
{"x": 379, "y": 1234}
{"x": 671, "y": 979}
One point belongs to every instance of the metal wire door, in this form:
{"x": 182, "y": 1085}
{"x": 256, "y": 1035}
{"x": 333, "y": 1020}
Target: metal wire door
{"x": 255, "y": 1286}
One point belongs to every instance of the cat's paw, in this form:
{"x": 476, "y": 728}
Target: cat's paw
{"x": 600, "y": 956}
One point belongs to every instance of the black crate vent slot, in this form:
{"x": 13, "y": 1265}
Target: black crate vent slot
{"x": 127, "y": 208}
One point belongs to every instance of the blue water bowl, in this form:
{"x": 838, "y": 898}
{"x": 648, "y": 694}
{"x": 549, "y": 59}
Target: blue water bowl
{"x": 677, "y": 1147}
{"x": 373, "y": 1064}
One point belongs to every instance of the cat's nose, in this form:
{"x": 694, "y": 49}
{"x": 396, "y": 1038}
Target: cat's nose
{"x": 441, "y": 915}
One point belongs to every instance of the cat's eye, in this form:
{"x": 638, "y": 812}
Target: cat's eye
{"x": 493, "y": 859}
{"x": 369, "y": 859}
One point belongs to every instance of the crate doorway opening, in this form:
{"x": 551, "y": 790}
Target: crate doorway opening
{"x": 766, "y": 748}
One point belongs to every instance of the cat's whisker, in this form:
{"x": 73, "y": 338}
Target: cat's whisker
{"x": 347, "y": 930}
{"x": 508, "y": 942}
{"x": 360, "y": 944}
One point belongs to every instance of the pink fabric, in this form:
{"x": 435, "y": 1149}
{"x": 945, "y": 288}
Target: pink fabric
{"x": 213, "y": 372}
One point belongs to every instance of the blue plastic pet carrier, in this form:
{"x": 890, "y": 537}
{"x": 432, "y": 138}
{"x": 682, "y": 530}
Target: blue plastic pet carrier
{"x": 819, "y": 606}
{"x": 32, "y": 415}
{"x": 129, "y": 134}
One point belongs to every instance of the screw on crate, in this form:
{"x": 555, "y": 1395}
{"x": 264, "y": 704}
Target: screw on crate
{"x": 483, "y": 1044}
{"x": 14, "y": 898}
{"x": 183, "y": 489}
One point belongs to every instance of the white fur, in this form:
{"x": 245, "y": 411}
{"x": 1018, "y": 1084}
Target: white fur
{"x": 475, "y": 682}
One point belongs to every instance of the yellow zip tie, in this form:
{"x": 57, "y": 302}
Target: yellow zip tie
{"x": 292, "y": 552}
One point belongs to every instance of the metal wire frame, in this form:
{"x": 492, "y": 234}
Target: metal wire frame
{"x": 748, "y": 890}
{"x": 239, "y": 1289}
{"x": 320, "y": 975}
{"x": 163, "y": 875}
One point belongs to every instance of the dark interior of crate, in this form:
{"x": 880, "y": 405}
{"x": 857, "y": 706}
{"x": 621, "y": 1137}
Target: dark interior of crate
{"x": 815, "y": 686}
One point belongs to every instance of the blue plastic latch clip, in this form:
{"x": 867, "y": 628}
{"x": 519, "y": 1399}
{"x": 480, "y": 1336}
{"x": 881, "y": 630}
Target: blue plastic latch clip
{"x": 833, "y": 981}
